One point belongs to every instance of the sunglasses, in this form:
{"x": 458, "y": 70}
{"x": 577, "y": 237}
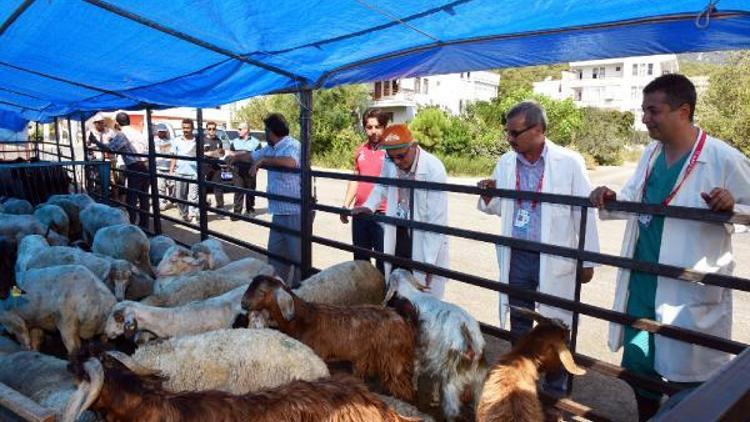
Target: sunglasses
{"x": 211, "y": 129}
{"x": 517, "y": 133}
{"x": 397, "y": 157}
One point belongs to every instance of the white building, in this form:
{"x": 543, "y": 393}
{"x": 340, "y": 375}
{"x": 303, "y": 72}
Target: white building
{"x": 402, "y": 97}
{"x": 610, "y": 83}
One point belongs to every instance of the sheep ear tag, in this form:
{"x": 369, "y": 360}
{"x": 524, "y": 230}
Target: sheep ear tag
{"x": 17, "y": 292}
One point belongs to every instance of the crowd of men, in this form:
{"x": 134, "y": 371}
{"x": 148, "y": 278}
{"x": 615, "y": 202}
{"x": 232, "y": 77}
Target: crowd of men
{"x": 683, "y": 165}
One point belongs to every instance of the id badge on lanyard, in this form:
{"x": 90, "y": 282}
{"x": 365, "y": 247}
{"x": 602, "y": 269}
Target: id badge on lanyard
{"x": 523, "y": 217}
{"x": 645, "y": 219}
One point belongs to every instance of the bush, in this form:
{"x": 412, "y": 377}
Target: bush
{"x": 603, "y": 134}
{"x": 465, "y": 165}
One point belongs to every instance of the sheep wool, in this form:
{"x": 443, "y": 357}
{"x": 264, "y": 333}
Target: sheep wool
{"x": 237, "y": 361}
{"x": 346, "y": 284}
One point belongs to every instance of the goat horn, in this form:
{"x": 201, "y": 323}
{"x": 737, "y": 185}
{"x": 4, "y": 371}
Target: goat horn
{"x": 87, "y": 391}
{"x": 566, "y": 358}
{"x": 130, "y": 363}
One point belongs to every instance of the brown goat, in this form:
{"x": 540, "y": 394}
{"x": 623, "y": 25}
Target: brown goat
{"x": 376, "y": 340}
{"x": 510, "y": 391}
{"x": 108, "y": 384}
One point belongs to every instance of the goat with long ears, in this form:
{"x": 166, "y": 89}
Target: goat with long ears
{"x": 510, "y": 391}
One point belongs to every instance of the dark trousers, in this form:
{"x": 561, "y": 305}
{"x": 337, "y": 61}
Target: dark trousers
{"x": 367, "y": 234}
{"x": 213, "y": 174}
{"x": 242, "y": 177}
{"x": 403, "y": 245}
{"x": 138, "y": 182}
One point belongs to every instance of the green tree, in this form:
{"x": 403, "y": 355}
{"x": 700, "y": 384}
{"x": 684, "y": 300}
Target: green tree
{"x": 723, "y": 109}
{"x": 604, "y": 134}
{"x": 522, "y": 78}
{"x": 429, "y": 127}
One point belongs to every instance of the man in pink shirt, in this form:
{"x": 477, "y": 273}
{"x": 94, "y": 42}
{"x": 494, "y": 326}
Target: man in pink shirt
{"x": 368, "y": 161}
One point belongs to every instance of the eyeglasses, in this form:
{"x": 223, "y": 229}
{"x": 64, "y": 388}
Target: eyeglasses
{"x": 397, "y": 157}
{"x": 517, "y": 133}
{"x": 211, "y": 129}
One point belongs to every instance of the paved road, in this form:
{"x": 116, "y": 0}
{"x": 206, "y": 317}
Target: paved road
{"x": 609, "y": 396}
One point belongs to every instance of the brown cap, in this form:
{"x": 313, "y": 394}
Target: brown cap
{"x": 396, "y": 137}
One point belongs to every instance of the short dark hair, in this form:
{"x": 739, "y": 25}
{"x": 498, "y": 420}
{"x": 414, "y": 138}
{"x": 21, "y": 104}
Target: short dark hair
{"x": 677, "y": 89}
{"x": 532, "y": 111}
{"x": 122, "y": 119}
{"x": 276, "y": 123}
{"x": 210, "y": 123}
{"x": 376, "y": 113}
{"x": 188, "y": 121}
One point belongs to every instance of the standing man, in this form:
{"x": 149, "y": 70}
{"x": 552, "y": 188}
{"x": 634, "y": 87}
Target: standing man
{"x": 406, "y": 160}
{"x": 282, "y": 151}
{"x": 187, "y": 191}
{"x": 102, "y": 134}
{"x": 537, "y": 164}
{"x": 683, "y": 166}
{"x": 163, "y": 145}
{"x": 213, "y": 149}
{"x": 368, "y": 161}
{"x": 126, "y": 142}
{"x": 244, "y": 174}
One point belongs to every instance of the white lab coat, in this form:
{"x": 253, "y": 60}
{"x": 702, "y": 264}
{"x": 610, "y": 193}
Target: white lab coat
{"x": 564, "y": 174}
{"x": 430, "y": 206}
{"x": 704, "y": 247}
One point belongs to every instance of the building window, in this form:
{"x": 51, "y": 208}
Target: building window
{"x": 377, "y": 91}
{"x": 635, "y": 69}
{"x": 617, "y": 68}
{"x": 425, "y": 86}
{"x": 578, "y": 95}
{"x": 394, "y": 87}
{"x": 468, "y": 75}
{"x": 595, "y": 73}
{"x": 634, "y": 93}
{"x": 417, "y": 85}
{"x": 580, "y": 73}
{"x": 601, "y": 72}
{"x": 650, "y": 68}
{"x": 386, "y": 88}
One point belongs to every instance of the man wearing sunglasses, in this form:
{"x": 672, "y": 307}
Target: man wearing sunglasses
{"x": 213, "y": 149}
{"x": 536, "y": 164}
{"x": 407, "y": 161}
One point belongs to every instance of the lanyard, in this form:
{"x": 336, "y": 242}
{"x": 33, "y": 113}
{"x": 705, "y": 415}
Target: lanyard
{"x": 688, "y": 170}
{"x": 538, "y": 187}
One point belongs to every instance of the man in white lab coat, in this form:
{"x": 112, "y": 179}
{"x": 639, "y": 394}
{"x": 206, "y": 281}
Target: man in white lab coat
{"x": 537, "y": 164}
{"x": 686, "y": 167}
{"x": 406, "y": 160}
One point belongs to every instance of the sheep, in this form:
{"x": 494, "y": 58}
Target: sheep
{"x": 124, "y": 241}
{"x": 28, "y": 248}
{"x": 347, "y": 283}
{"x": 123, "y": 278}
{"x": 107, "y": 384}
{"x": 17, "y": 206}
{"x": 72, "y": 210}
{"x": 205, "y": 284}
{"x": 236, "y": 361}
{"x": 54, "y": 217}
{"x": 42, "y": 378}
{"x": 18, "y": 226}
{"x": 96, "y": 216}
{"x": 194, "y": 318}
{"x": 157, "y": 246}
{"x": 179, "y": 260}
{"x": 451, "y": 345}
{"x": 510, "y": 391}
{"x": 212, "y": 251}
{"x": 69, "y": 298}
{"x": 82, "y": 200}
{"x": 404, "y": 409}
{"x": 376, "y": 340}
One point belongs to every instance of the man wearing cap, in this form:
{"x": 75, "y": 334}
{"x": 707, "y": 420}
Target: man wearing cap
{"x": 368, "y": 161}
{"x": 244, "y": 174}
{"x": 408, "y": 161}
{"x": 163, "y": 145}
{"x": 128, "y": 142}
{"x": 102, "y": 134}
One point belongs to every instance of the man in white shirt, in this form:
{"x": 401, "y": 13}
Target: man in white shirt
{"x": 163, "y": 145}
{"x": 185, "y": 146}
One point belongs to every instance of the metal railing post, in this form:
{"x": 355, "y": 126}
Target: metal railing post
{"x": 153, "y": 173}
{"x": 577, "y": 293}
{"x": 306, "y": 210}
{"x": 57, "y": 138}
{"x": 72, "y": 154}
{"x": 202, "y": 202}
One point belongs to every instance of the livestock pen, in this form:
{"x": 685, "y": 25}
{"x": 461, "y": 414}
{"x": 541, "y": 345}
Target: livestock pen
{"x": 205, "y": 68}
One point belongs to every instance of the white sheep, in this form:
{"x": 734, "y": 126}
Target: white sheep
{"x": 18, "y": 226}
{"x": 42, "y": 378}
{"x": 348, "y": 283}
{"x": 237, "y": 361}
{"x": 97, "y": 216}
{"x": 194, "y": 318}
{"x": 17, "y": 206}
{"x": 82, "y": 200}
{"x": 205, "y": 284}
{"x": 29, "y": 247}
{"x": 122, "y": 277}
{"x": 213, "y": 252}
{"x": 73, "y": 204}
{"x": 451, "y": 345}
{"x": 158, "y": 245}
{"x": 54, "y": 217}
{"x": 124, "y": 241}
{"x": 179, "y": 260}
{"x": 69, "y": 298}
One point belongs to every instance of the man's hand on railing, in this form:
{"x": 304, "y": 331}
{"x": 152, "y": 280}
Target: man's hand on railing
{"x": 487, "y": 184}
{"x": 719, "y": 199}
{"x": 601, "y": 195}
{"x": 361, "y": 211}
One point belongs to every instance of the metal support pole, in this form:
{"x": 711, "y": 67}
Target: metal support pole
{"x": 306, "y": 211}
{"x": 202, "y": 203}
{"x": 577, "y": 294}
{"x": 72, "y": 154}
{"x": 36, "y": 141}
{"x": 57, "y": 138}
{"x": 153, "y": 173}
{"x": 86, "y": 169}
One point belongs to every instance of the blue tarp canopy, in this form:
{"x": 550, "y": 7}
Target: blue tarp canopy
{"x": 68, "y": 57}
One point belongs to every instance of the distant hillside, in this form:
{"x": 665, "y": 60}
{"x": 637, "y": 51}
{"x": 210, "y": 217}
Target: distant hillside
{"x": 711, "y": 57}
